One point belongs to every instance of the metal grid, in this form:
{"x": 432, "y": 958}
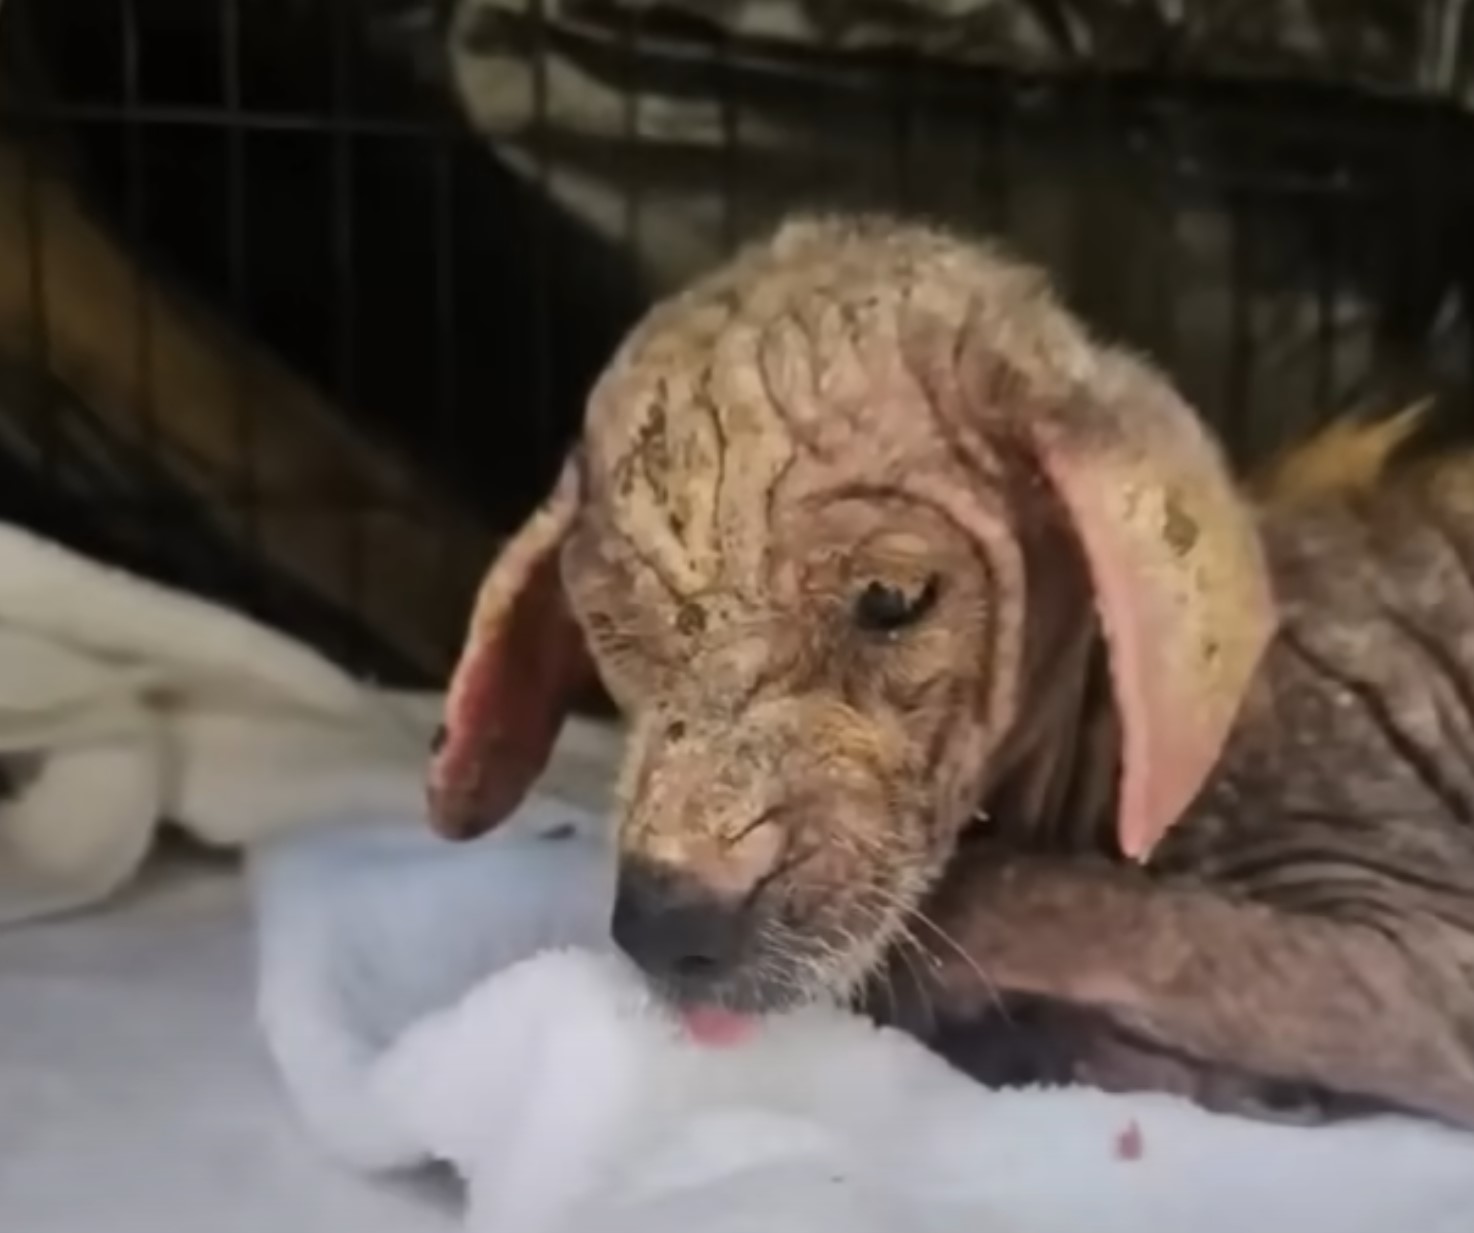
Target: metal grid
{"x": 305, "y": 172}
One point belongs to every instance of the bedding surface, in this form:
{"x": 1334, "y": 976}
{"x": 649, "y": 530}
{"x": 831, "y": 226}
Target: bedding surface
{"x": 138, "y": 1096}
{"x": 141, "y": 1094}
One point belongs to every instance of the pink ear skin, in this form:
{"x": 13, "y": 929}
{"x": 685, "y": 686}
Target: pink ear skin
{"x": 1179, "y": 578}
{"x": 523, "y": 663}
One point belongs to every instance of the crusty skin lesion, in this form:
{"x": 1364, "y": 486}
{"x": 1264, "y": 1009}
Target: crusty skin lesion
{"x": 1189, "y": 776}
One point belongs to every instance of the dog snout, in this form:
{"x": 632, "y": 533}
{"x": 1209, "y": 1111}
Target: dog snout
{"x": 679, "y": 931}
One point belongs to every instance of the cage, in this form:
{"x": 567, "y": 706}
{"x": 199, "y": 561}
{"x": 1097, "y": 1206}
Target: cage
{"x": 301, "y": 298}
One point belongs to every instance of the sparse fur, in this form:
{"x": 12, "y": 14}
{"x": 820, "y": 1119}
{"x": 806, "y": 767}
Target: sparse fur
{"x": 1189, "y": 777}
{"x": 1348, "y": 455}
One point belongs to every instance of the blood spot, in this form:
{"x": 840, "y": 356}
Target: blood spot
{"x": 1129, "y": 1143}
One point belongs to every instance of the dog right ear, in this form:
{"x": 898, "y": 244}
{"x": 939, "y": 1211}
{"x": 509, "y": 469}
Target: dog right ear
{"x": 523, "y": 664}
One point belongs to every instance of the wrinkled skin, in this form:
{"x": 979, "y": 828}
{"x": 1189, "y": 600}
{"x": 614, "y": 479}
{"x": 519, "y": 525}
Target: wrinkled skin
{"x": 1311, "y": 918}
{"x": 963, "y": 679}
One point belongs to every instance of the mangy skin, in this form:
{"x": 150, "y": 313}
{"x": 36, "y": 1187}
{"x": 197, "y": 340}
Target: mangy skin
{"x": 1311, "y": 917}
{"x": 1168, "y": 789}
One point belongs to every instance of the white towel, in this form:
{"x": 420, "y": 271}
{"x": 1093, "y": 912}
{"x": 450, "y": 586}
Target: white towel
{"x": 124, "y": 704}
{"x": 428, "y": 1002}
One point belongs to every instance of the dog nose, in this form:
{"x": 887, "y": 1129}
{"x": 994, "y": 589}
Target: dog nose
{"x": 674, "y": 928}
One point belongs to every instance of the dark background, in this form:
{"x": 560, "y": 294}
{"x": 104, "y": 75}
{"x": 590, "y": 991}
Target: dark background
{"x": 320, "y": 186}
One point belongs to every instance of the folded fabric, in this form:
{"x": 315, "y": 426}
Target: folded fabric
{"x": 127, "y": 704}
{"x": 463, "y": 1004}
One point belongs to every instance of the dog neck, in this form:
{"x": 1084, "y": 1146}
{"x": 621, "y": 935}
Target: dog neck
{"x": 1055, "y": 783}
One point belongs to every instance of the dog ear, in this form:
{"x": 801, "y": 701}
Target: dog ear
{"x": 1176, "y": 567}
{"x": 523, "y": 663}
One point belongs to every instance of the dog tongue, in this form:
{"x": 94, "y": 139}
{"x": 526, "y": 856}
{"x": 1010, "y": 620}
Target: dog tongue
{"x": 717, "y": 1028}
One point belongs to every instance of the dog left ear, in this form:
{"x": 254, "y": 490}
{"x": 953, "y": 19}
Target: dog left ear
{"x": 1179, "y": 578}
{"x": 1173, "y": 553}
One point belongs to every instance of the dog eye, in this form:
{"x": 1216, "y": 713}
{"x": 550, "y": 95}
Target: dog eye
{"x": 882, "y": 608}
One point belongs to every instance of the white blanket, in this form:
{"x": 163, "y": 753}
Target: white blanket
{"x": 427, "y": 1003}
{"x": 124, "y": 704}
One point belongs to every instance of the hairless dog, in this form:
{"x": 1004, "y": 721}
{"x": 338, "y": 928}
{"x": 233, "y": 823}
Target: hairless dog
{"x": 965, "y": 681}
